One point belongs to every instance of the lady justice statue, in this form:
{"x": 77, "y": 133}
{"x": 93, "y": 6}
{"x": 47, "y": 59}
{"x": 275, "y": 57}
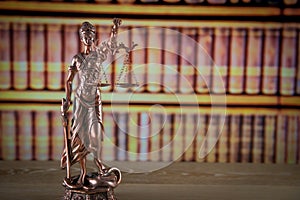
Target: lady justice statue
{"x": 86, "y": 132}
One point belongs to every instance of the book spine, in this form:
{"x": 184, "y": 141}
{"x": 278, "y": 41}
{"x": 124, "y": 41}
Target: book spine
{"x": 205, "y": 60}
{"x": 298, "y": 63}
{"x": 109, "y": 141}
{"x": 188, "y": 49}
{"x": 178, "y": 136}
{"x": 269, "y": 139}
{"x": 235, "y": 139}
{"x": 156, "y": 137}
{"x": 37, "y": 56}
{"x": 154, "y": 59}
{"x": 122, "y": 138}
{"x": 5, "y": 56}
{"x": 171, "y": 60}
{"x": 201, "y": 123}
{"x": 20, "y": 56}
{"x": 9, "y": 135}
{"x": 25, "y": 134}
{"x": 211, "y": 139}
{"x": 288, "y": 61}
{"x": 57, "y": 139}
{"x": 271, "y": 61}
{"x": 281, "y": 135}
{"x": 292, "y": 136}
{"x": 41, "y": 144}
{"x": 54, "y": 57}
{"x": 254, "y": 61}
{"x": 258, "y": 139}
{"x": 144, "y": 135}
{"x": 121, "y": 72}
{"x": 138, "y": 71}
{"x": 190, "y": 135}
{"x": 133, "y": 136}
{"x": 223, "y": 143}
{"x": 70, "y": 48}
{"x": 221, "y": 59}
{"x": 237, "y": 61}
{"x": 108, "y": 75}
{"x": 246, "y": 138}
{"x": 167, "y": 138}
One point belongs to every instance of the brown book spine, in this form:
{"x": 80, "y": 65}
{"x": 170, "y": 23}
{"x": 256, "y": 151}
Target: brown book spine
{"x": 271, "y": 61}
{"x": 122, "y": 138}
{"x": 269, "y": 139}
{"x": 107, "y": 75}
{"x": 200, "y": 146}
{"x": 154, "y": 59}
{"x": 167, "y": 138}
{"x": 20, "y": 56}
{"x": 211, "y": 139}
{"x": 54, "y": 57}
{"x": 237, "y": 61}
{"x": 223, "y": 142}
{"x": 9, "y": 135}
{"x": 171, "y": 58}
{"x": 188, "y": 57}
{"x": 254, "y": 61}
{"x": 56, "y": 134}
{"x": 41, "y": 140}
{"x": 70, "y": 48}
{"x": 178, "y": 137}
{"x": 109, "y": 141}
{"x": 133, "y": 136}
{"x": 288, "y": 61}
{"x": 190, "y": 136}
{"x": 138, "y": 72}
{"x": 221, "y": 60}
{"x": 281, "y": 135}
{"x": 144, "y": 136}
{"x": 235, "y": 139}
{"x": 156, "y": 136}
{"x": 258, "y": 139}
{"x": 292, "y": 135}
{"x": 5, "y": 56}
{"x": 205, "y": 62}
{"x": 121, "y": 74}
{"x": 25, "y": 134}
{"x": 246, "y": 138}
{"x": 37, "y": 56}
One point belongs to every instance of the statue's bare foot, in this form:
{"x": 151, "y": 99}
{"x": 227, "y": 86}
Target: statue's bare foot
{"x": 71, "y": 185}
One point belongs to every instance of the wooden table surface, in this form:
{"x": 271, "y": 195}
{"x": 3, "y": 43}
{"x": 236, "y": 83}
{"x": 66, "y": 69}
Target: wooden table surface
{"x": 181, "y": 180}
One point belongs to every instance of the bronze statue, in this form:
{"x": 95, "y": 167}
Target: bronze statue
{"x": 86, "y": 132}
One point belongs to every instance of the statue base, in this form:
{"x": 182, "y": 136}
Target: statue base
{"x": 98, "y": 194}
{"x": 95, "y": 186}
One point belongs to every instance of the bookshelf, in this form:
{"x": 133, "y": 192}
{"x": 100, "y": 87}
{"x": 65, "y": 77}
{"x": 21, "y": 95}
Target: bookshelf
{"x": 261, "y": 122}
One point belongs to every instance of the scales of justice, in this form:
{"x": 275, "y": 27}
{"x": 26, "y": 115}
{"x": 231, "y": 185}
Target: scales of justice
{"x": 85, "y": 134}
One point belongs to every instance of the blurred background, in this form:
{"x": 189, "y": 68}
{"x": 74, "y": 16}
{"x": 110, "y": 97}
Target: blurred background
{"x": 244, "y": 51}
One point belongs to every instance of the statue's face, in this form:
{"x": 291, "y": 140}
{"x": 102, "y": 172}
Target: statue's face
{"x": 87, "y": 37}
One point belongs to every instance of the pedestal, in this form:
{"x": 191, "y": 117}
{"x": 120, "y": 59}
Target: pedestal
{"x": 105, "y": 193}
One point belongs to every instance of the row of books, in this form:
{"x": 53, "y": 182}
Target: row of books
{"x": 155, "y": 136}
{"x": 200, "y": 2}
{"x": 208, "y": 59}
